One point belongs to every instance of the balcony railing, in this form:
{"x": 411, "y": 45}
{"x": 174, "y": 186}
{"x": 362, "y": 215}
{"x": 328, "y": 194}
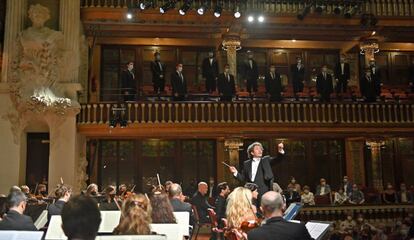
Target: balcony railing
{"x": 384, "y": 8}
{"x": 251, "y": 112}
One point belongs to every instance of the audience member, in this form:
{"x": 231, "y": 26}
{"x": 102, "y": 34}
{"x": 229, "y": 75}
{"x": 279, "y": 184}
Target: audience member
{"x": 348, "y": 226}
{"x": 62, "y": 195}
{"x": 389, "y": 195}
{"x": 404, "y": 196}
{"x": 110, "y": 202}
{"x": 323, "y": 189}
{"x": 324, "y": 84}
{"x": 135, "y": 218}
{"x": 15, "y": 219}
{"x": 275, "y": 227}
{"x": 81, "y": 218}
{"x": 199, "y": 200}
{"x": 239, "y": 208}
{"x": 291, "y": 195}
{"x": 346, "y": 185}
{"x": 273, "y": 84}
{"x": 179, "y": 83}
{"x": 177, "y": 201}
{"x": 340, "y": 197}
{"x": 356, "y": 196}
{"x": 162, "y": 210}
{"x": 295, "y": 184}
{"x": 307, "y": 197}
{"x": 210, "y": 71}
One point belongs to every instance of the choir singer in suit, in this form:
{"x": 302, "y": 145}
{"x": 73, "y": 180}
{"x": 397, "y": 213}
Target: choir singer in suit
{"x": 128, "y": 83}
{"x": 179, "y": 84}
{"x": 342, "y": 74}
{"x": 324, "y": 84}
{"x": 158, "y": 73}
{"x": 369, "y": 86}
{"x": 210, "y": 72}
{"x": 251, "y": 73}
{"x": 257, "y": 169}
{"x": 298, "y": 75}
{"x": 273, "y": 84}
{"x": 226, "y": 85}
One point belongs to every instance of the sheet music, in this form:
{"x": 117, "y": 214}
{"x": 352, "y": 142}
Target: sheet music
{"x": 317, "y": 229}
{"x": 21, "y": 235}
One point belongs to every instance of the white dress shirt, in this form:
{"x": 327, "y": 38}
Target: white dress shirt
{"x": 342, "y": 68}
{"x": 255, "y": 165}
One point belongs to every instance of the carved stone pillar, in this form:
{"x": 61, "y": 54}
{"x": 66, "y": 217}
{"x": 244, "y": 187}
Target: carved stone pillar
{"x": 231, "y": 44}
{"x": 15, "y": 16}
{"x": 375, "y": 163}
{"x": 368, "y": 48}
{"x": 232, "y": 146}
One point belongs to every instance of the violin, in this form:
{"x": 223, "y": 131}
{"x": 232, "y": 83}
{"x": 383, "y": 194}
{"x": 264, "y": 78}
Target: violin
{"x": 128, "y": 194}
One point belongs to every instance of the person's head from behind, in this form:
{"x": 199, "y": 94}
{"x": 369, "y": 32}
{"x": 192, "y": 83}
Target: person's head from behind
{"x": 176, "y": 191}
{"x": 135, "y": 218}
{"x": 254, "y": 188}
{"x": 239, "y": 205}
{"x": 272, "y": 204}
{"x": 203, "y": 188}
{"x": 255, "y": 150}
{"x": 168, "y": 185}
{"x": 162, "y": 210}
{"x": 81, "y": 218}
{"x": 223, "y": 189}
{"x": 63, "y": 192}
{"x": 17, "y": 201}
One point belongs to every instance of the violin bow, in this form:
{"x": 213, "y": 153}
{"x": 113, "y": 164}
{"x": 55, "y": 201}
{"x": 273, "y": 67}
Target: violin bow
{"x": 159, "y": 181}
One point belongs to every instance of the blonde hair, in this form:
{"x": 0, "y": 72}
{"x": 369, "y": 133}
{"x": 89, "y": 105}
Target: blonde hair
{"x": 135, "y": 216}
{"x": 239, "y": 207}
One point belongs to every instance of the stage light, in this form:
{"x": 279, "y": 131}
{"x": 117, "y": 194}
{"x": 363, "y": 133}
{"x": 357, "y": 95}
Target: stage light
{"x": 337, "y": 10}
{"x": 373, "y": 33}
{"x": 169, "y": 5}
{"x": 304, "y": 12}
{"x": 202, "y": 9}
{"x": 350, "y": 11}
{"x": 293, "y": 40}
{"x": 145, "y": 4}
{"x": 217, "y": 10}
{"x": 250, "y": 18}
{"x": 129, "y": 15}
{"x": 186, "y": 6}
{"x": 237, "y": 13}
{"x": 260, "y": 19}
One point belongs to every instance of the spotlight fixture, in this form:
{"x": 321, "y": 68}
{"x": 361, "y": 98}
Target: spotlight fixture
{"x": 169, "y": 5}
{"x": 217, "y": 10}
{"x": 337, "y": 10}
{"x": 350, "y": 11}
{"x": 202, "y": 9}
{"x": 146, "y": 4}
{"x": 260, "y": 19}
{"x": 237, "y": 13}
{"x": 304, "y": 12}
{"x": 250, "y": 18}
{"x": 129, "y": 15}
{"x": 185, "y": 7}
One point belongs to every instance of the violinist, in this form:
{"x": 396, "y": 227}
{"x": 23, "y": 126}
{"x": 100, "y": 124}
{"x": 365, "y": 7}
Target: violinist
{"x": 223, "y": 190}
{"x": 62, "y": 194}
{"x": 110, "y": 202}
{"x": 92, "y": 190}
{"x": 41, "y": 192}
{"x": 122, "y": 190}
{"x": 274, "y": 226}
{"x": 239, "y": 209}
{"x": 30, "y": 197}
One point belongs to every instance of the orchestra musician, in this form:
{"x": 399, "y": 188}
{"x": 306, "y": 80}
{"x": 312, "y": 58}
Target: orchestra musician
{"x": 110, "y": 202}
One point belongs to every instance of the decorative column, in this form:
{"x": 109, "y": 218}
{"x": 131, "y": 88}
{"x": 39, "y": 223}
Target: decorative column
{"x": 376, "y": 163}
{"x": 232, "y": 146}
{"x": 15, "y": 15}
{"x": 355, "y": 168}
{"x": 231, "y": 44}
{"x": 368, "y": 48}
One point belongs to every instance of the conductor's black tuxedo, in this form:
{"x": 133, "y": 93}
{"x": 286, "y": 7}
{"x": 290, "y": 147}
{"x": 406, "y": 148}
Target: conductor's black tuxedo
{"x": 264, "y": 176}
{"x": 278, "y": 228}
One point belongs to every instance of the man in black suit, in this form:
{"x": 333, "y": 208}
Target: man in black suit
{"x": 298, "y": 75}
{"x": 342, "y": 74}
{"x": 375, "y": 70}
{"x": 273, "y": 84}
{"x": 257, "y": 169}
{"x": 223, "y": 190}
{"x": 411, "y": 75}
{"x": 324, "y": 84}
{"x": 226, "y": 84}
{"x": 179, "y": 84}
{"x": 158, "y": 73}
{"x": 369, "y": 86}
{"x": 199, "y": 200}
{"x": 62, "y": 193}
{"x": 291, "y": 195}
{"x": 128, "y": 83}
{"x": 274, "y": 226}
{"x": 210, "y": 72}
{"x": 15, "y": 219}
{"x": 177, "y": 201}
{"x": 251, "y": 73}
